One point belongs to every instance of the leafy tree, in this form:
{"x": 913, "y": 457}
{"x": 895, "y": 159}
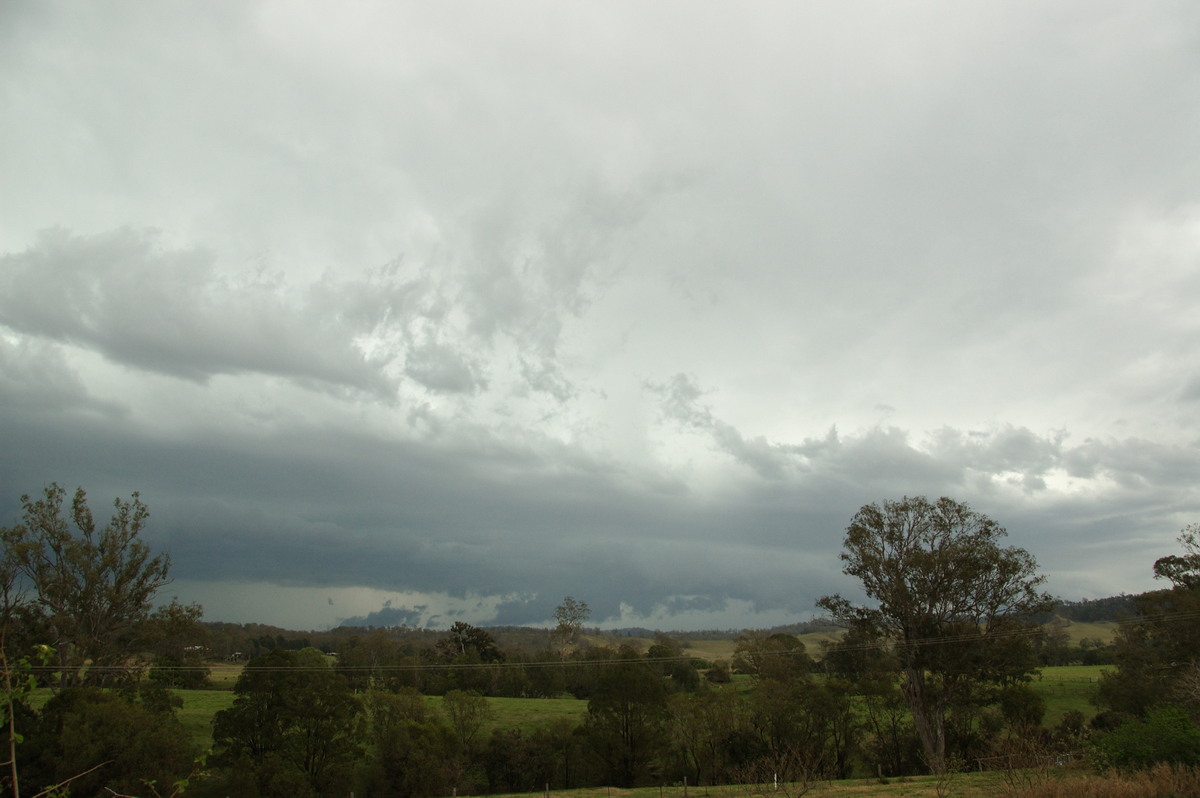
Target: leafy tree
{"x": 666, "y": 653}
{"x": 467, "y": 712}
{"x": 467, "y": 643}
{"x": 708, "y": 732}
{"x": 954, "y": 605}
{"x": 804, "y": 730}
{"x": 1155, "y": 654}
{"x": 778, "y": 656}
{"x": 91, "y": 587}
{"x": 1022, "y": 706}
{"x": 414, "y": 753}
{"x": 102, "y": 742}
{"x": 1182, "y": 571}
{"x": 294, "y": 720}
{"x": 365, "y": 661}
{"x": 19, "y": 684}
{"x": 1166, "y": 734}
{"x": 570, "y": 617}
{"x": 625, "y": 721}
{"x": 179, "y": 643}
{"x": 588, "y": 664}
{"x": 539, "y": 679}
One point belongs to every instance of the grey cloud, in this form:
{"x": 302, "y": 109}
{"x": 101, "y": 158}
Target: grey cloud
{"x": 680, "y": 402}
{"x": 1191, "y": 390}
{"x": 928, "y": 249}
{"x": 948, "y": 459}
{"x": 332, "y": 508}
{"x": 139, "y": 303}
{"x": 547, "y": 378}
{"x": 391, "y": 616}
{"x": 35, "y": 376}
{"x": 443, "y": 370}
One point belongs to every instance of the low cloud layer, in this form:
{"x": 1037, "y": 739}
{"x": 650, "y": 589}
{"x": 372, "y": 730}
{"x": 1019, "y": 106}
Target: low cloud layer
{"x": 404, "y": 315}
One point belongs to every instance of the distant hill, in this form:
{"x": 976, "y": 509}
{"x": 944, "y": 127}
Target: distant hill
{"x": 1088, "y": 618}
{"x": 1113, "y": 608}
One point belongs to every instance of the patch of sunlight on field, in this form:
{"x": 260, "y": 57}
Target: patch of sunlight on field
{"x": 710, "y": 649}
{"x": 1078, "y": 631}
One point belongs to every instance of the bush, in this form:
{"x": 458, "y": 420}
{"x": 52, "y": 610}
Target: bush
{"x": 134, "y": 744}
{"x": 1166, "y": 735}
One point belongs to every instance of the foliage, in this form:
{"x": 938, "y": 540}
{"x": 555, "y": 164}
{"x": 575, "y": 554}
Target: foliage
{"x": 91, "y": 587}
{"x": 179, "y": 643}
{"x": 367, "y": 661}
{"x": 415, "y": 754}
{"x": 625, "y": 721}
{"x": 1166, "y": 734}
{"x": 1021, "y": 705}
{"x": 115, "y": 743}
{"x": 1182, "y": 570}
{"x": 780, "y": 657}
{"x": 19, "y": 684}
{"x": 467, "y": 643}
{"x": 1157, "y": 654}
{"x": 466, "y": 712}
{"x": 570, "y": 617}
{"x": 804, "y": 730}
{"x": 955, "y": 606}
{"x": 295, "y": 720}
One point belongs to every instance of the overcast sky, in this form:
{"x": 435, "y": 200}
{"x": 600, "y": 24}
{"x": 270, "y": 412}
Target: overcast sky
{"x": 424, "y": 312}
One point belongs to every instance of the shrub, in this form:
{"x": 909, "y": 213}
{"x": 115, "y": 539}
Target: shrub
{"x": 1166, "y": 735}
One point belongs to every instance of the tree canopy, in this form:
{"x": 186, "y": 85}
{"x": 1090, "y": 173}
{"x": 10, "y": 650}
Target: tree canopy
{"x": 953, "y": 604}
{"x": 87, "y": 589}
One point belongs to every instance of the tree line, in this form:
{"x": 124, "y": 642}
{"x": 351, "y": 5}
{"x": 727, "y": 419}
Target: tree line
{"x": 931, "y": 672}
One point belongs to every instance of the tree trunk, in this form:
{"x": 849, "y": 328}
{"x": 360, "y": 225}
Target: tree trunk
{"x": 928, "y": 721}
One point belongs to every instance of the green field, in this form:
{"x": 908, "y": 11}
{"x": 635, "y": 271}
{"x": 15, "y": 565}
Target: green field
{"x": 1068, "y": 687}
{"x": 1063, "y": 689}
{"x": 1078, "y": 631}
{"x": 199, "y": 706}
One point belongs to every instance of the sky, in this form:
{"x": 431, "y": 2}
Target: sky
{"x": 401, "y": 312}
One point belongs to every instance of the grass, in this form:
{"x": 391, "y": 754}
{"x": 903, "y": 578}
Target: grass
{"x": 1063, "y": 689}
{"x": 723, "y": 649}
{"x": 1066, "y": 688}
{"x": 1077, "y": 631}
{"x": 959, "y": 785}
{"x": 224, "y": 675}
{"x": 199, "y": 706}
{"x": 1060, "y": 783}
{"x": 524, "y": 712}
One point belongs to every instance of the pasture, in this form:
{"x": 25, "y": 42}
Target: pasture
{"x": 1063, "y": 689}
{"x": 1066, "y": 688}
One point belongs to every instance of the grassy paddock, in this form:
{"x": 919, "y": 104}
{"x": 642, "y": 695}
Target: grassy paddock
{"x": 1068, "y": 687}
{"x": 1063, "y": 689}
{"x": 199, "y": 706}
{"x": 1077, "y": 631}
{"x": 224, "y": 675}
{"x": 512, "y": 713}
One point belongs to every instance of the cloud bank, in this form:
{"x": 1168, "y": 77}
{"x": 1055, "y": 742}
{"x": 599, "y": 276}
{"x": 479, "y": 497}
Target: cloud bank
{"x": 416, "y": 315}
